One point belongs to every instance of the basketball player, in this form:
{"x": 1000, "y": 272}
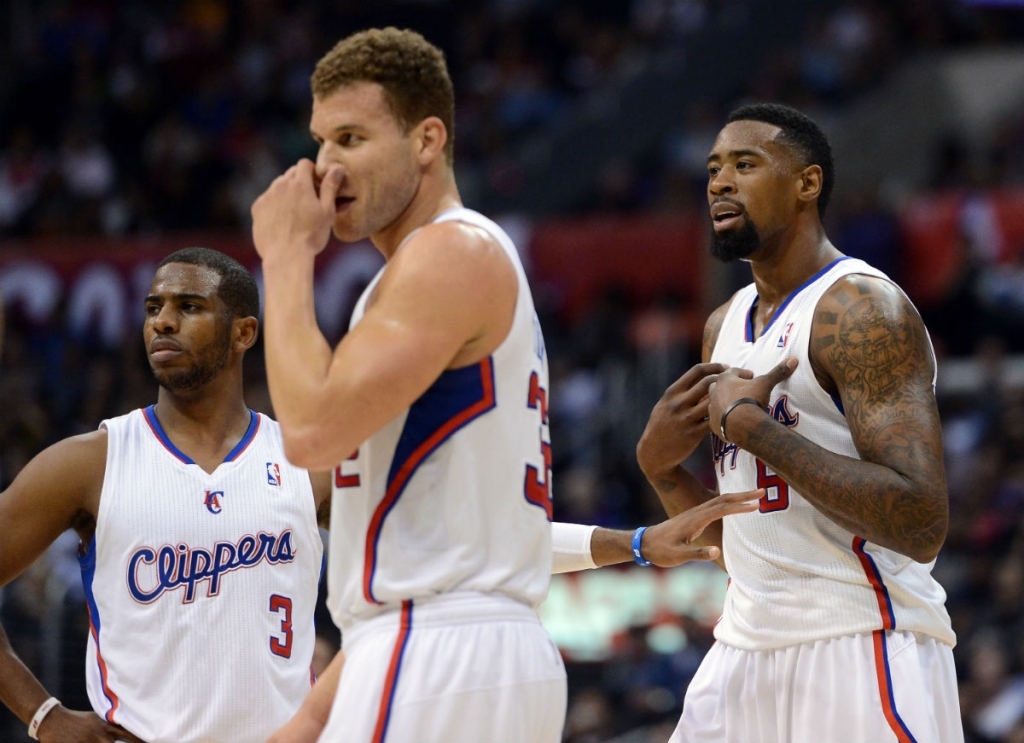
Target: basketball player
{"x": 202, "y": 607}
{"x": 200, "y": 550}
{"x": 818, "y": 386}
{"x": 432, "y": 411}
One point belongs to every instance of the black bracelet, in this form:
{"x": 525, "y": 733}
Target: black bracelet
{"x": 741, "y": 401}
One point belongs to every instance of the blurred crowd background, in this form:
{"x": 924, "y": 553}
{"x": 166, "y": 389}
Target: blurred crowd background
{"x": 130, "y": 128}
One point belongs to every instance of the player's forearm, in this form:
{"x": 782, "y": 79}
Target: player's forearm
{"x": 870, "y": 500}
{"x": 318, "y": 704}
{"x": 580, "y": 547}
{"x": 611, "y": 547}
{"x": 298, "y": 356}
{"x": 20, "y": 690}
{"x": 679, "y": 490}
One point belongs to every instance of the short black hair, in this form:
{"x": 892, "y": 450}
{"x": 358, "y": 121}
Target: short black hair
{"x": 801, "y": 133}
{"x": 237, "y": 288}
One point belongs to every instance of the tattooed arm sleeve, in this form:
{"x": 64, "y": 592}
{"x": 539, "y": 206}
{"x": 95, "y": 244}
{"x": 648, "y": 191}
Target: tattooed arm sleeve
{"x": 869, "y": 347}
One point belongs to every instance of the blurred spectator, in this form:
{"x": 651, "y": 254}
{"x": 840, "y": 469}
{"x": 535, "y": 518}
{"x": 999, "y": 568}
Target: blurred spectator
{"x": 132, "y": 117}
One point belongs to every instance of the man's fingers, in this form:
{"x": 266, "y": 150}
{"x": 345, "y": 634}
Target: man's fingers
{"x": 687, "y": 553}
{"x": 729, "y": 503}
{"x": 329, "y": 189}
{"x": 781, "y": 371}
{"x": 696, "y": 373}
{"x": 702, "y": 553}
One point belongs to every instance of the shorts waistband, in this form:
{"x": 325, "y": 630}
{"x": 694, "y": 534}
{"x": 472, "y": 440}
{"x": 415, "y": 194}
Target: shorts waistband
{"x": 444, "y": 609}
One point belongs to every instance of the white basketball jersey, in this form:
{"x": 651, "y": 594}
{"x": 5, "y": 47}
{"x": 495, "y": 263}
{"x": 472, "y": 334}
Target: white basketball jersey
{"x": 795, "y": 575}
{"x": 453, "y": 494}
{"x": 200, "y": 587}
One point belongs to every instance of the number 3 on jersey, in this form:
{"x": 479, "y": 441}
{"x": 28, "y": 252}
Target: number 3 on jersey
{"x": 278, "y": 646}
{"x": 537, "y": 484}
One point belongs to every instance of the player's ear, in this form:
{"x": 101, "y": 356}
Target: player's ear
{"x": 810, "y": 183}
{"x": 431, "y": 136}
{"x": 245, "y": 331}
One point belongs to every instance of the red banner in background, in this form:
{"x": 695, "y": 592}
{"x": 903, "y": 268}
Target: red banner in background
{"x": 645, "y": 256}
{"x": 97, "y": 285}
{"x": 101, "y": 282}
{"x": 944, "y": 232}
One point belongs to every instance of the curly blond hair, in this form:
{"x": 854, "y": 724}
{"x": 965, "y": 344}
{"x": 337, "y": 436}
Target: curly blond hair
{"x": 410, "y": 69}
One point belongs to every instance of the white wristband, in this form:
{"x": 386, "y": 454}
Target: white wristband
{"x": 570, "y": 544}
{"x": 40, "y": 715}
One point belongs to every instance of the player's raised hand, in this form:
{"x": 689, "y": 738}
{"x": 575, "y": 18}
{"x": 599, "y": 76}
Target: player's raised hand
{"x": 62, "y": 725}
{"x": 295, "y": 213}
{"x": 678, "y": 422}
{"x": 740, "y": 384}
{"x": 670, "y": 543}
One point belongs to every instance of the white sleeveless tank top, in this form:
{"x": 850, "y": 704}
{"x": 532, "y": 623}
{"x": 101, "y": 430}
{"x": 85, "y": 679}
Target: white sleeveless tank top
{"x": 200, "y": 587}
{"x": 454, "y": 493}
{"x": 795, "y": 575}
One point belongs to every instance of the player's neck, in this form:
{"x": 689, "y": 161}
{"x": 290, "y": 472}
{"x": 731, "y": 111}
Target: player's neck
{"x": 210, "y": 416}
{"x": 437, "y": 193}
{"x": 781, "y": 269}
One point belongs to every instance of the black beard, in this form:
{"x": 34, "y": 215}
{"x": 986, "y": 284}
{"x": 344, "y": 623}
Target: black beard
{"x": 210, "y": 363}
{"x": 735, "y": 244}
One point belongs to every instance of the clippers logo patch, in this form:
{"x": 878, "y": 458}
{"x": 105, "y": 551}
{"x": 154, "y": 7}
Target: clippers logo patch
{"x": 212, "y": 500}
{"x": 273, "y": 474}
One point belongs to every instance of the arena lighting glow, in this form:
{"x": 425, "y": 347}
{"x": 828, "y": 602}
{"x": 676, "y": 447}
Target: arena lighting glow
{"x": 585, "y": 611}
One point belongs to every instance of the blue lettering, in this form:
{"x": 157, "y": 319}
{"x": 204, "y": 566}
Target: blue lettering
{"x": 247, "y": 554}
{"x": 720, "y": 450}
{"x": 148, "y": 556}
{"x": 283, "y": 550}
{"x": 187, "y": 567}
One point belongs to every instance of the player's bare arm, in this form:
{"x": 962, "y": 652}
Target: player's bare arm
{"x": 446, "y": 300}
{"x": 677, "y": 425}
{"x": 308, "y": 722}
{"x": 868, "y": 347}
{"x": 676, "y": 540}
{"x": 57, "y": 490}
{"x": 675, "y": 428}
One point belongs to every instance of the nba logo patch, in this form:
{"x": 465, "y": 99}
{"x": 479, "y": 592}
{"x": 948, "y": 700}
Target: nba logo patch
{"x": 784, "y": 338}
{"x": 273, "y": 474}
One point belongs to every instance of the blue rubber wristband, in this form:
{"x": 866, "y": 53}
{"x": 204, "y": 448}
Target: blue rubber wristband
{"x": 638, "y": 554}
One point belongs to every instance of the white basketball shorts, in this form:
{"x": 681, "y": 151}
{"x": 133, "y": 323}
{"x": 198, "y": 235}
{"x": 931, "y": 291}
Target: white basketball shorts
{"x": 880, "y": 687}
{"x": 458, "y": 668}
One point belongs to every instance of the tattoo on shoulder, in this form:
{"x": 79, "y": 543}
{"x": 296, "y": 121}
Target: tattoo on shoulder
{"x": 881, "y": 358}
{"x": 874, "y": 345}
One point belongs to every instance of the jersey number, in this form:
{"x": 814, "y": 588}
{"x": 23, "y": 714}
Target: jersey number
{"x": 341, "y": 480}
{"x": 537, "y": 484}
{"x": 277, "y": 647}
{"x": 776, "y": 497}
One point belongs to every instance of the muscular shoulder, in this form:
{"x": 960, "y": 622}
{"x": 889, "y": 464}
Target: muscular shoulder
{"x": 452, "y": 260}
{"x": 85, "y": 454}
{"x": 454, "y": 245}
{"x": 454, "y": 282}
{"x": 59, "y": 488}
{"x": 865, "y": 329}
